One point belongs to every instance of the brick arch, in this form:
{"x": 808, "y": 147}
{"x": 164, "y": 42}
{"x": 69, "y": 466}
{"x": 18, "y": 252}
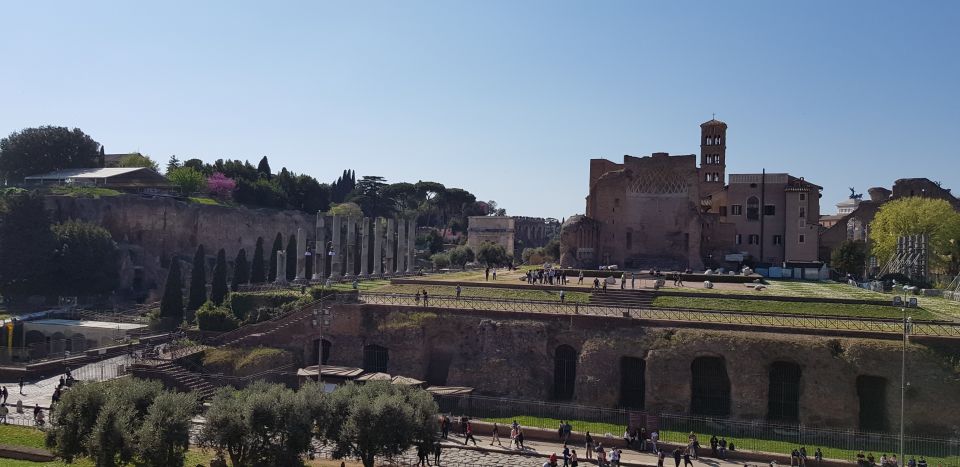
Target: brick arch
{"x": 376, "y": 358}
{"x": 564, "y": 371}
{"x": 783, "y": 395}
{"x": 709, "y": 386}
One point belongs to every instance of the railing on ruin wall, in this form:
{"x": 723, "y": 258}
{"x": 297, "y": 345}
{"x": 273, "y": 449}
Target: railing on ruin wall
{"x": 786, "y": 320}
{"x": 750, "y": 435}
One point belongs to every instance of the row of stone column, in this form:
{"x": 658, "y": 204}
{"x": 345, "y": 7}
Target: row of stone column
{"x": 389, "y": 235}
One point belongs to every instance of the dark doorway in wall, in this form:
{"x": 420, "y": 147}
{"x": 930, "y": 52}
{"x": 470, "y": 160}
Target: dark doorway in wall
{"x": 438, "y": 369}
{"x": 709, "y": 387}
{"x": 783, "y": 397}
{"x": 564, "y": 372}
{"x": 317, "y": 344}
{"x": 632, "y": 383}
{"x": 872, "y": 392}
{"x": 375, "y": 358}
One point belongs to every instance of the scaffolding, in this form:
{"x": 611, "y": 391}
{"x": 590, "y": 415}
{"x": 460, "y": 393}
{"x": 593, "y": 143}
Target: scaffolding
{"x": 910, "y": 259}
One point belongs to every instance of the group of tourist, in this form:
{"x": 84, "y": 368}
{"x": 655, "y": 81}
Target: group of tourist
{"x": 798, "y": 457}
{"x": 547, "y": 276}
{"x": 869, "y": 460}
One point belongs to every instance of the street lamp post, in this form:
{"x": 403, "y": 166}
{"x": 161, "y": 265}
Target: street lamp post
{"x": 907, "y": 325}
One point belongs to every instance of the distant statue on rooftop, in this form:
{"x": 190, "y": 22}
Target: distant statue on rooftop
{"x": 854, "y": 194}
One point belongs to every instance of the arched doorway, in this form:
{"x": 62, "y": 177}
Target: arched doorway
{"x": 375, "y": 358}
{"x": 323, "y": 346}
{"x": 783, "y": 397}
{"x": 564, "y": 372}
{"x": 872, "y": 392}
{"x": 632, "y": 382}
{"x": 709, "y": 387}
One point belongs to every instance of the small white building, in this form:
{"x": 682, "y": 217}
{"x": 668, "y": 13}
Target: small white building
{"x": 59, "y": 335}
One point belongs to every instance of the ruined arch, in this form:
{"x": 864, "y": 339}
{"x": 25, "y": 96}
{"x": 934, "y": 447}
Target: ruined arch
{"x": 783, "y": 396}
{"x": 324, "y": 347}
{"x": 564, "y": 372}
{"x": 375, "y": 358}
{"x": 633, "y": 382}
{"x": 709, "y": 387}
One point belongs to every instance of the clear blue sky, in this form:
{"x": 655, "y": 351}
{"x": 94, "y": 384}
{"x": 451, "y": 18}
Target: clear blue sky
{"x": 508, "y": 99}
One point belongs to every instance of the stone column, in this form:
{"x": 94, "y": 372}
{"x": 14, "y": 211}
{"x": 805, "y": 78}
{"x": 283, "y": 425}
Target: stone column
{"x": 351, "y": 248}
{"x": 320, "y": 250}
{"x": 281, "y": 267}
{"x": 365, "y": 248}
{"x": 377, "y": 247}
{"x": 336, "y": 266}
{"x": 301, "y": 256}
{"x": 389, "y": 265}
{"x": 401, "y": 244}
{"x": 411, "y": 245}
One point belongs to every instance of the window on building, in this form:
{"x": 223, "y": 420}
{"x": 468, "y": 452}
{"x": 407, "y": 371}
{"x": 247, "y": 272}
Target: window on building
{"x": 803, "y": 196}
{"x": 803, "y": 212}
{"x": 753, "y": 208}
{"x": 753, "y": 239}
{"x": 769, "y": 210}
{"x": 803, "y": 238}
{"x": 736, "y": 210}
{"x": 629, "y": 241}
{"x": 739, "y": 239}
{"x": 778, "y": 239}
{"x": 706, "y": 177}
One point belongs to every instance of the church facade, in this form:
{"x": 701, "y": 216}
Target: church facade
{"x": 671, "y": 212}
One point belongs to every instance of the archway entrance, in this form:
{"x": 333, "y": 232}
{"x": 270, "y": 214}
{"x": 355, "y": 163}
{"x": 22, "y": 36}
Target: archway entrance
{"x": 783, "y": 398}
{"x": 710, "y": 387}
{"x": 872, "y": 392}
{"x": 564, "y": 372}
{"x": 375, "y": 358}
{"x": 632, "y": 382}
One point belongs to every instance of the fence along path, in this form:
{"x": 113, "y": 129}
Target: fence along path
{"x": 785, "y": 320}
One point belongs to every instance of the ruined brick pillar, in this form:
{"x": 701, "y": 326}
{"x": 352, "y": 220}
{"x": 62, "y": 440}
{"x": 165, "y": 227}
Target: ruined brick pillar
{"x": 281, "y": 267}
{"x": 351, "y": 249}
{"x": 365, "y": 248}
{"x": 377, "y": 247}
{"x": 320, "y": 250}
{"x": 389, "y": 265}
{"x": 401, "y": 244}
{"x": 411, "y": 244}
{"x": 335, "y": 264}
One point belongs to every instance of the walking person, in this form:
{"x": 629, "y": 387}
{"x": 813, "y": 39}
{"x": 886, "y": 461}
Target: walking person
{"x": 494, "y": 273}
{"x": 3, "y": 413}
{"x": 495, "y": 436}
{"x": 458, "y": 291}
{"x": 633, "y": 280}
{"x": 580, "y": 278}
{"x": 520, "y": 439}
{"x": 660, "y": 456}
{"x": 686, "y": 459}
{"x": 566, "y": 456}
{"x": 469, "y": 435}
{"x": 21, "y": 385}
{"x": 588, "y": 442}
{"x": 425, "y": 297}
{"x": 486, "y": 274}
{"x": 562, "y": 296}
{"x": 676, "y": 457}
{"x": 513, "y": 437}
{"x": 573, "y": 458}
{"x": 436, "y": 453}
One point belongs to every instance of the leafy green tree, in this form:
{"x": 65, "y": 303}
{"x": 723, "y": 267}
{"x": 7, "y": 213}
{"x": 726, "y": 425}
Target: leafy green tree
{"x": 368, "y": 194}
{"x": 87, "y": 261}
{"x": 218, "y": 290}
{"x": 198, "y": 280}
{"x": 440, "y": 260}
{"x": 376, "y": 419}
{"x": 263, "y": 168}
{"x": 33, "y": 151}
{"x": 492, "y": 254}
{"x": 241, "y": 270}
{"x": 263, "y": 424}
{"x": 187, "y": 179}
{"x": 277, "y": 246}
{"x": 171, "y": 305}
{"x": 460, "y": 256}
{"x": 164, "y": 436}
{"x": 260, "y": 192}
{"x": 552, "y": 250}
{"x": 258, "y": 274}
{"x": 914, "y": 215}
{"x": 28, "y": 245}
{"x": 850, "y": 257}
{"x": 346, "y": 210}
{"x": 434, "y": 242}
{"x": 291, "y": 257}
{"x": 138, "y": 160}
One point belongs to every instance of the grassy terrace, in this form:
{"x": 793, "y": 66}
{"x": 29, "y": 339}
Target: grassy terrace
{"x": 773, "y": 306}
{"x": 487, "y": 292}
{"x": 83, "y": 191}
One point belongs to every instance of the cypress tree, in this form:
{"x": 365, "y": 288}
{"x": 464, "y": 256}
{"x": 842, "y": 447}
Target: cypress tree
{"x": 218, "y": 292}
{"x": 263, "y": 168}
{"x": 277, "y": 246}
{"x": 198, "y": 280}
{"x": 292, "y": 258}
{"x": 171, "y": 305}
{"x": 257, "y": 274}
{"x": 241, "y": 270}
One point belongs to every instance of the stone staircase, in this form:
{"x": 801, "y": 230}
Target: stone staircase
{"x": 266, "y": 328}
{"x": 177, "y": 376}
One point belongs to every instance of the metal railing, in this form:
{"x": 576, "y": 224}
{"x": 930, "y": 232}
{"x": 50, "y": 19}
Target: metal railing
{"x": 786, "y": 320}
{"x": 755, "y": 435}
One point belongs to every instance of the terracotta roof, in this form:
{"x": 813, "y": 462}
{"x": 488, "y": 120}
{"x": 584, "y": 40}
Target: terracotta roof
{"x": 713, "y": 122}
{"x": 374, "y": 377}
{"x": 407, "y": 381}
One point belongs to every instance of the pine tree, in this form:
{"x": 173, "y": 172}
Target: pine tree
{"x": 257, "y": 274}
{"x": 173, "y": 163}
{"x": 218, "y": 291}
{"x": 171, "y": 305}
{"x": 198, "y": 280}
{"x": 277, "y": 246}
{"x": 102, "y": 158}
{"x": 263, "y": 168}
{"x": 241, "y": 270}
{"x": 292, "y": 258}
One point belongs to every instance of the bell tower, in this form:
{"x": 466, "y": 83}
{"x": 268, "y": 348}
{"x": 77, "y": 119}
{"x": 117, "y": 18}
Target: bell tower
{"x": 713, "y": 156}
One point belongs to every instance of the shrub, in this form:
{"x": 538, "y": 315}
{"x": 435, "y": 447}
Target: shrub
{"x": 213, "y": 318}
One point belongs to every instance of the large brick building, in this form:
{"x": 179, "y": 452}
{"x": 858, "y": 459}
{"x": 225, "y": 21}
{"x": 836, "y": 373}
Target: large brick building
{"x": 666, "y": 211}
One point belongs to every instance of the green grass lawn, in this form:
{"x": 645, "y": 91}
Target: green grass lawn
{"x": 743, "y": 444}
{"x": 487, "y": 292}
{"x": 83, "y": 191}
{"x": 773, "y": 306}
{"x": 205, "y": 200}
